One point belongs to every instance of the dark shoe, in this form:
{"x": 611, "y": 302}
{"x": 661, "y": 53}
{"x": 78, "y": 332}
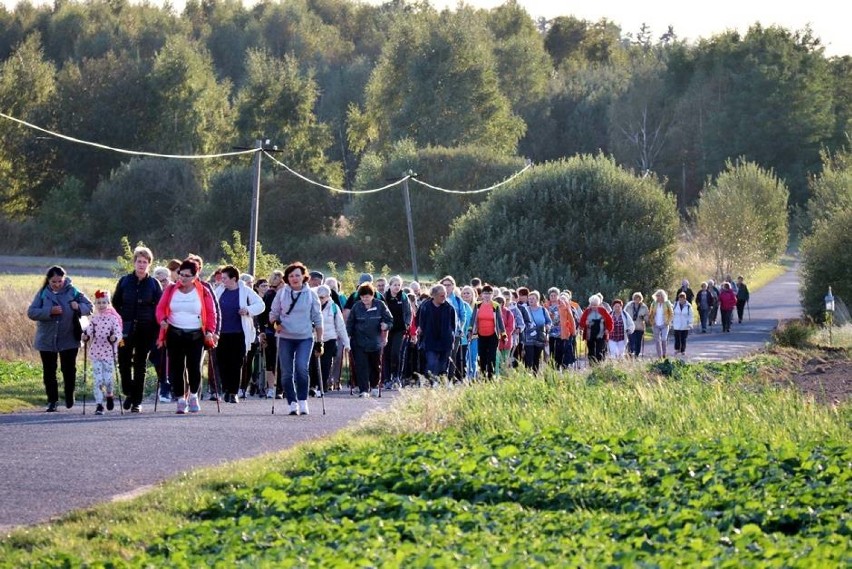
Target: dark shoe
{"x": 99, "y": 410}
{"x": 69, "y": 400}
{"x": 135, "y": 409}
{"x": 110, "y": 403}
{"x": 51, "y": 407}
{"x": 127, "y": 404}
{"x": 312, "y": 392}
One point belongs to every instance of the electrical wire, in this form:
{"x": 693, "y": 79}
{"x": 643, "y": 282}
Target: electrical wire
{"x": 333, "y": 189}
{"x": 124, "y": 151}
{"x": 488, "y": 189}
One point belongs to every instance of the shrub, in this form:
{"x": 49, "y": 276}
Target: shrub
{"x": 794, "y": 334}
{"x": 826, "y": 261}
{"x": 583, "y": 222}
{"x": 606, "y": 373}
{"x": 742, "y": 217}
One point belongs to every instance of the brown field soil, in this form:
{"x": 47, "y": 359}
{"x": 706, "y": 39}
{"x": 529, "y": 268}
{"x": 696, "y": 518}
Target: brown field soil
{"x": 825, "y": 374}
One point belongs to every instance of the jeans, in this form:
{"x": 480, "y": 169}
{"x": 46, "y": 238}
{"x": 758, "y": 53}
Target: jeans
{"x": 68, "y": 364}
{"x": 661, "y": 338}
{"x": 703, "y": 317}
{"x": 295, "y": 357}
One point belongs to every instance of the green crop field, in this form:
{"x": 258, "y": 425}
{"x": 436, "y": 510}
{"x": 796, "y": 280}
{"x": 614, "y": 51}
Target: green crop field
{"x": 649, "y": 465}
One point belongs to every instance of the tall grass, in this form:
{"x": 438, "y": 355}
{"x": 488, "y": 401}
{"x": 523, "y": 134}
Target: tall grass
{"x": 706, "y": 401}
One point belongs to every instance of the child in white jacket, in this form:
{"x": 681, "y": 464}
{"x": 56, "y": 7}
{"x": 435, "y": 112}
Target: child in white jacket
{"x": 681, "y": 322}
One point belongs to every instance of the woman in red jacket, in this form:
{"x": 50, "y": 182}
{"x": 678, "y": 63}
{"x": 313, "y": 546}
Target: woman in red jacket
{"x": 727, "y": 303}
{"x": 187, "y": 317}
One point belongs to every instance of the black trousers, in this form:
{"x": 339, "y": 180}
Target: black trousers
{"x": 329, "y": 352}
{"x": 133, "y": 359}
{"x": 488, "y": 355}
{"x": 597, "y": 349}
{"x": 557, "y": 351}
{"x": 532, "y": 356}
{"x": 68, "y": 365}
{"x": 740, "y": 308}
{"x": 390, "y": 355}
{"x": 230, "y": 356}
{"x": 185, "y": 349}
{"x": 680, "y": 340}
{"x": 727, "y": 316}
{"x": 367, "y": 368}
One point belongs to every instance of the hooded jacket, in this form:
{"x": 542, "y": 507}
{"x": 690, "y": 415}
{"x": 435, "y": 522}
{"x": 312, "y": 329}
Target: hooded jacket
{"x": 55, "y": 333}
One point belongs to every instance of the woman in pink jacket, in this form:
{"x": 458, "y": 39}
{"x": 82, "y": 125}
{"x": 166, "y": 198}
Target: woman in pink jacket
{"x": 187, "y": 317}
{"x": 727, "y": 303}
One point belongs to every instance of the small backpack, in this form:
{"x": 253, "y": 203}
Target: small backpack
{"x": 595, "y": 325}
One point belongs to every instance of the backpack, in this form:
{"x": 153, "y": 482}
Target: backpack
{"x": 595, "y": 326}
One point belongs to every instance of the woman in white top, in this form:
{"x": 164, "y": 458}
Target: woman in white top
{"x": 681, "y": 322}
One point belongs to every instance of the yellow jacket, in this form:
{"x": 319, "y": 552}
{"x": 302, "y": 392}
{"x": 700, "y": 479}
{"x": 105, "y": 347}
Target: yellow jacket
{"x": 668, "y": 315}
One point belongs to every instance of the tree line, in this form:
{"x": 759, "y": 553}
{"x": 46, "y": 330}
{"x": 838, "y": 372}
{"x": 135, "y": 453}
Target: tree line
{"x": 354, "y": 94}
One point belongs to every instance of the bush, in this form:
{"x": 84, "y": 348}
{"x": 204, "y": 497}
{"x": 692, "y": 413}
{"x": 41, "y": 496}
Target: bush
{"x": 826, "y": 262}
{"x": 584, "y": 223}
{"x": 742, "y": 217}
{"x": 794, "y": 334}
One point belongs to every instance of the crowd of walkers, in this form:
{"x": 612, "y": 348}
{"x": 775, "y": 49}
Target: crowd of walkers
{"x": 296, "y": 335}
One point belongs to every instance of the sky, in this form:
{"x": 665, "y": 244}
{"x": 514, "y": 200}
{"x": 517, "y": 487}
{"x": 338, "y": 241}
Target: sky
{"x": 691, "y": 20}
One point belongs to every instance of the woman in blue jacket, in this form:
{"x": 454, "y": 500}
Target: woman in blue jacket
{"x": 55, "y": 308}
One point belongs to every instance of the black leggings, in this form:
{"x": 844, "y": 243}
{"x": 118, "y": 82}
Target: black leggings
{"x": 230, "y": 355}
{"x": 184, "y": 349}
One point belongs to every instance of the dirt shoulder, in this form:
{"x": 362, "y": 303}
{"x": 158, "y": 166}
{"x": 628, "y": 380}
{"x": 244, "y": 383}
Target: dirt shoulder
{"x": 825, "y": 374}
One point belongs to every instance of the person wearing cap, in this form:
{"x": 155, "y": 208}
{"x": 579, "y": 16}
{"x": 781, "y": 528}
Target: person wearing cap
{"x": 367, "y": 325}
{"x": 315, "y": 279}
{"x": 333, "y": 333}
{"x": 488, "y": 327}
{"x": 436, "y": 329}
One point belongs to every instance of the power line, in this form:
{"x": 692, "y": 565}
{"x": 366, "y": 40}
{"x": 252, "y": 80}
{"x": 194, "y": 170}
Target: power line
{"x": 124, "y": 151}
{"x": 488, "y": 189}
{"x": 333, "y": 189}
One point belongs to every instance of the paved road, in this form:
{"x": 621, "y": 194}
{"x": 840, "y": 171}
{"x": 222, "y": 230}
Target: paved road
{"x": 54, "y": 463}
{"x": 778, "y": 300}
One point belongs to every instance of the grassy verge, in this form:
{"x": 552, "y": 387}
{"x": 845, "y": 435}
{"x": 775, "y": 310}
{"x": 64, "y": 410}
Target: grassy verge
{"x": 20, "y": 386}
{"x": 663, "y": 465}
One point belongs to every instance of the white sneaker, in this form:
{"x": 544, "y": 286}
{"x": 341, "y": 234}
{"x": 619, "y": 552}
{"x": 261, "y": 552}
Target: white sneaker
{"x": 364, "y": 394}
{"x": 241, "y": 393}
{"x": 181, "y": 406}
{"x": 303, "y": 408}
{"x": 270, "y": 393}
{"x": 194, "y": 405}
{"x": 374, "y": 392}
{"x": 294, "y": 408}
{"x": 165, "y": 399}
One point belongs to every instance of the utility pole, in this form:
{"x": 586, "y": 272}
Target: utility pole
{"x": 411, "y": 245}
{"x": 261, "y": 146}
{"x": 255, "y": 207}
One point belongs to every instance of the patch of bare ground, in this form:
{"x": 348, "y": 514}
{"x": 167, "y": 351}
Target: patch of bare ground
{"x": 825, "y": 374}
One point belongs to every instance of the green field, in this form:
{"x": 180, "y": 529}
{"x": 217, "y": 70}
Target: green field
{"x": 650, "y": 465}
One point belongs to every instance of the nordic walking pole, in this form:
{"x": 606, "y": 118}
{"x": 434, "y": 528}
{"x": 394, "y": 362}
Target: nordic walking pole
{"x": 116, "y": 380}
{"x": 85, "y": 370}
{"x": 215, "y": 378}
{"x": 278, "y": 352}
{"x": 321, "y": 390}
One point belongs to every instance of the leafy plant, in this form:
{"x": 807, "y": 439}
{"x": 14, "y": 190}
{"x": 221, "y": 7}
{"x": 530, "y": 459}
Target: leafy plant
{"x": 794, "y": 334}
{"x": 237, "y": 254}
